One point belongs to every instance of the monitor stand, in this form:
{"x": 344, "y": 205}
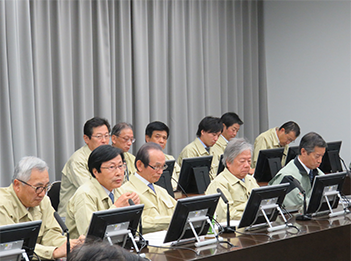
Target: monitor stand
{"x": 271, "y": 228}
{"x": 198, "y": 242}
{"x": 337, "y": 193}
{"x": 14, "y": 253}
{"x": 125, "y": 233}
{"x": 202, "y": 179}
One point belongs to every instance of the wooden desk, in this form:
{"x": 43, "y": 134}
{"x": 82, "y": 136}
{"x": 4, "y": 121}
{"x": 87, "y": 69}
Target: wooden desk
{"x": 322, "y": 239}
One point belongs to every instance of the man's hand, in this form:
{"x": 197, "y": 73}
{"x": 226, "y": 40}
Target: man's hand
{"x": 62, "y": 250}
{"x": 122, "y": 201}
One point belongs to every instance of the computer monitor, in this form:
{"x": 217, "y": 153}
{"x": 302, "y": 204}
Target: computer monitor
{"x": 268, "y": 164}
{"x": 114, "y": 225}
{"x": 221, "y": 166}
{"x": 325, "y": 187}
{"x": 16, "y": 238}
{"x": 265, "y": 198}
{"x": 165, "y": 180}
{"x": 194, "y": 174}
{"x": 331, "y": 159}
{"x": 292, "y": 153}
{"x": 196, "y": 209}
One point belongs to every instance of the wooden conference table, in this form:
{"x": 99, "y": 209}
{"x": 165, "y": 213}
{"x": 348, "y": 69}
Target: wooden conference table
{"x": 318, "y": 239}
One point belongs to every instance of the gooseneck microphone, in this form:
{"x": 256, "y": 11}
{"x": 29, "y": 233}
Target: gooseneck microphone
{"x": 179, "y": 186}
{"x": 227, "y": 229}
{"x": 65, "y": 230}
{"x": 295, "y": 183}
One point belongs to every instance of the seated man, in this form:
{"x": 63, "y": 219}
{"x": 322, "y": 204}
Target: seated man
{"x": 234, "y": 181}
{"x": 158, "y": 132}
{"x": 158, "y": 204}
{"x": 107, "y": 168}
{"x": 231, "y": 126}
{"x": 207, "y": 134}
{"x": 25, "y": 200}
{"x": 303, "y": 168}
{"x": 276, "y": 138}
{"x": 122, "y": 137}
{"x": 76, "y": 172}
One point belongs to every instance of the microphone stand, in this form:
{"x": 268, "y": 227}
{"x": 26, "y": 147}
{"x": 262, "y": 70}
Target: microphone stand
{"x": 65, "y": 230}
{"x": 228, "y": 229}
{"x": 304, "y": 216}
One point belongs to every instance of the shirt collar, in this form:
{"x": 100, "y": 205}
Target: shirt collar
{"x": 224, "y": 139}
{"x": 303, "y": 165}
{"x": 142, "y": 179}
{"x": 203, "y": 144}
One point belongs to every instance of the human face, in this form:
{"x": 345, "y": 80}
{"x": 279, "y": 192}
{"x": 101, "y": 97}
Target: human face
{"x": 124, "y": 140}
{"x": 111, "y": 177}
{"x": 230, "y": 132}
{"x": 156, "y": 159}
{"x": 209, "y": 138}
{"x": 159, "y": 137}
{"x": 100, "y": 136}
{"x": 27, "y": 194}
{"x": 314, "y": 159}
{"x": 286, "y": 138}
{"x": 240, "y": 166}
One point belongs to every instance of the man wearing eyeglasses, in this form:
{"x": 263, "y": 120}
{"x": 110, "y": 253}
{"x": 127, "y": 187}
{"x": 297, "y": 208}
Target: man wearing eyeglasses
{"x": 158, "y": 204}
{"x": 106, "y": 166}
{"x": 276, "y": 138}
{"x": 25, "y": 200}
{"x": 122, "y": 137}
{"x": 76, "y": 172}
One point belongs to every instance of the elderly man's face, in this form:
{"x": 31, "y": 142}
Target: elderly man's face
{"x": 157, "y": 161}
{"x": 26, "y": 193}
{"x": 112, "y": 173}
{"x": 240, "y": 166}
{"x": 124, "y": 140}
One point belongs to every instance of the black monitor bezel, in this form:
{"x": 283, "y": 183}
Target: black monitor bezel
{"x": 101, "y": 219}
{"x": 187, "y": 179}
{"x": 221, "y": 166}
{"x": 26, "y": 231}
{"x": 326, "y": 165}
{"x": 165, "y": 181}
{"x": 182, "y": 209}
{"x": 262, "y": 172}
{"x": 292, "y": 153}
{"x": 319, "y": 183}
{"x": 254, "y": 201}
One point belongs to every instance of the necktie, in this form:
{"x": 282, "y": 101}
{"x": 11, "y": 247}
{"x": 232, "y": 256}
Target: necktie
{"x": 208, "y": 149}
{"x": 112, "y": 197}
{"x": 311, "y": 175}
{"x": 152, "y": 187}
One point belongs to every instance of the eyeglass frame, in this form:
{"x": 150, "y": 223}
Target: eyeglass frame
{"x": 164, "y": 167}
{"x": 126, "y": 140}
{"x": 121, "y": 167}
{"x": 100, "y": 136}
{"x": 46, "y": 188}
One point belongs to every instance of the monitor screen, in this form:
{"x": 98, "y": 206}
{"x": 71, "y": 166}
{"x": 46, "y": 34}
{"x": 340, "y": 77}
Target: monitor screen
{"x": 292, "y": 153}
{"x": 194, "y": 174}
{"x": 26, "y": 231}
{"x": 268, "y": 164}
{"x": 261, "y": 197}
{"x": 331, "y": 159}
{"x": 221, "y": 166}
{"x": 325, "y": 184}
{"x": 198, "y": 206}
{"x": 114, "y": 221}
{"x": 165, "y": 180}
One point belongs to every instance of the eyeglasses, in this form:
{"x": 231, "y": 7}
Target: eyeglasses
{"x": 100, "y": 136}
{"x": 132, "y": 140}
{"x": 114, "y": 167}
{"x": 157, "y": 168}
{"x": 38, "y": 190}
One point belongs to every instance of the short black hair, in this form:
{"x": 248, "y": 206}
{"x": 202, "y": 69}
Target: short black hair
{"x": 102, "y": 154}
{"x": 156, "y": 126}
{"x": 209, "y": 124}
{"x": 93, "y": 123}
{"x": 116, "y": 130}
{"x": 291, "y": 126}
{"x": 310, "y": 141}
{"x": 143, "y": 153}
{"x": 230, "y": 118}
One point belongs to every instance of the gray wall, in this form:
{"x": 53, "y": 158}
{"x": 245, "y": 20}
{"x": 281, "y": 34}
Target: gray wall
{"x": 308, "y": 67}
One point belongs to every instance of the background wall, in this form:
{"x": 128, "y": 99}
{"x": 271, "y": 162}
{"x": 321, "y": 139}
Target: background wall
{"x": 308, "y": 67}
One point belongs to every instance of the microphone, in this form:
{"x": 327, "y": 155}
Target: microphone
{"x": 181, "y": 188}
{"x": 227, "y": 229}
{"x": 347, "y": 170}
{"x": 131, "y": 202}
{"x": 295, "y": 183}
{"x": 65, "y": 230}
